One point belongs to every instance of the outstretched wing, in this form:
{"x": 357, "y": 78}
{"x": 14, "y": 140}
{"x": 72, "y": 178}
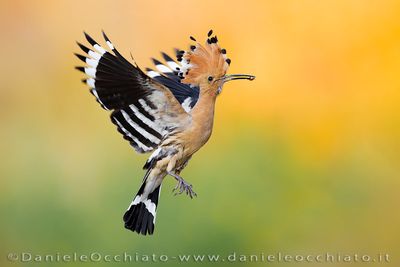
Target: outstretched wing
{"x": 167, "y": 74}
{"x": 144, "y": 110}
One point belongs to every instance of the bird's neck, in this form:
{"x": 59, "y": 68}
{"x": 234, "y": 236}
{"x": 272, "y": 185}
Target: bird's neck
{"x": 203, "y": 115}
{"x": 203, "y": 111}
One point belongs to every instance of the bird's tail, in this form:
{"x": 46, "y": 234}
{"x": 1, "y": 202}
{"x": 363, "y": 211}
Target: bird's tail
{"x": 141, "y": 214}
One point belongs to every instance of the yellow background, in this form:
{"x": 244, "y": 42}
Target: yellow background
{"x": 304, "y": 159}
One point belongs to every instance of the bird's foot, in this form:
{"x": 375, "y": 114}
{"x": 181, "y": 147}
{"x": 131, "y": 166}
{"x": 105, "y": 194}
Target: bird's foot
{"x": 182, "y": 186}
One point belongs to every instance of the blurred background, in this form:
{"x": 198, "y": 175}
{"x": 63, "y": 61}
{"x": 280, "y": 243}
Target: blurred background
{"x": 305, "y": 159}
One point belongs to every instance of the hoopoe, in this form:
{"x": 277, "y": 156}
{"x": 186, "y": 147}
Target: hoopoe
{"x": 168, "y": 112}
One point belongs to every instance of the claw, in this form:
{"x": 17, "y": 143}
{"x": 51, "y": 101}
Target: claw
{"x": 176, "y": 187}
{"x": 182, "y": 186}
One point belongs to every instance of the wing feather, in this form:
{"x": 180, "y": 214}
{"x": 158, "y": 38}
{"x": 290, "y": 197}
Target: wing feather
{"x": 167, "y": 74}
{"x": 143, "y": 109}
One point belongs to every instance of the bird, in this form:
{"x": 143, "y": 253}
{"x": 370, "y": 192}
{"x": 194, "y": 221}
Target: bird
{"x": 167, "y": 111}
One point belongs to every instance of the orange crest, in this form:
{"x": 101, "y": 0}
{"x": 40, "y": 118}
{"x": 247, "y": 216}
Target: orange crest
{"x": 201, "y": 62}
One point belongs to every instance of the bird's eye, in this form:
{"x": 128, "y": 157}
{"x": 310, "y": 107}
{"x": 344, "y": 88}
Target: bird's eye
{"x": 210, "y": 78}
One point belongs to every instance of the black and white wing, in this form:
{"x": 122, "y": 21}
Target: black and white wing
{"x": 144, "y": 110}
{"x": 167, "y": 74}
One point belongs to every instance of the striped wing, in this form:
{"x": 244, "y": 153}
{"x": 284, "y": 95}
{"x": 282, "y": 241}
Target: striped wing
{"x": 167, "y": 74}
{"x": 144, "y": 110}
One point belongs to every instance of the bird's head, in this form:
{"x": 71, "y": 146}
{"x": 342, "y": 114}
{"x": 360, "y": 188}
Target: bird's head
{"x": 206, "y": 66}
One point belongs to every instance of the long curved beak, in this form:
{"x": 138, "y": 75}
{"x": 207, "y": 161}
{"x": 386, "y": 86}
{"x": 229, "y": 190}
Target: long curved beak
{"x": 231, "y": 77}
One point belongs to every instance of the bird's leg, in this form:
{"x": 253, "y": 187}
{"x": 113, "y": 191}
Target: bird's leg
{"x": 182, "y": 185}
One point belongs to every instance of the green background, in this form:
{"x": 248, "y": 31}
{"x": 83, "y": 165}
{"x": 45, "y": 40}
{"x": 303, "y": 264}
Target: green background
{"x": 303, "y": 160}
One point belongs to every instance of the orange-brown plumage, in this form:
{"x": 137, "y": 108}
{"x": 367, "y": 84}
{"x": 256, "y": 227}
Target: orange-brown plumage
{"x": 204, "y": 60}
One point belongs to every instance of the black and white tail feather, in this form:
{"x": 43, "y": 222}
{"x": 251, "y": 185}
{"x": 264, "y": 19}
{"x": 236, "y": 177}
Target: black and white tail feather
{"x": 141, "y": 214}
{"x": 135, "y": 100}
